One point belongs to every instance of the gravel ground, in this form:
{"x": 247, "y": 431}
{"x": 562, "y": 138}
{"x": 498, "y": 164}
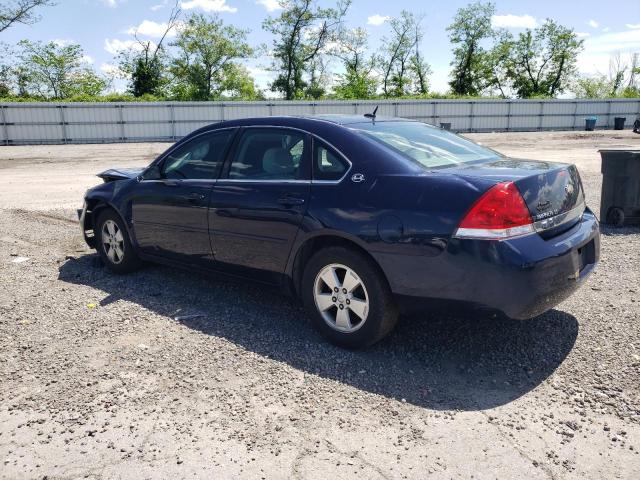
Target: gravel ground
{"x": 170, "y": 374}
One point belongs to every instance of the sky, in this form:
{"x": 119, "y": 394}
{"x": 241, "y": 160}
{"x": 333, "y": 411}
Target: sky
{"x": 103, "y": 27}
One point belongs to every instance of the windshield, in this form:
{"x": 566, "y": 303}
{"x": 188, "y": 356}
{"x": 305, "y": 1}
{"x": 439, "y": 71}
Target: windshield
{"x": 429, "y": 146}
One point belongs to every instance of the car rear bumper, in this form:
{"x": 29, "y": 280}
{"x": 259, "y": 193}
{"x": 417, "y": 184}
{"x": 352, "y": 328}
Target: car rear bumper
{"x": 521, "y": 277}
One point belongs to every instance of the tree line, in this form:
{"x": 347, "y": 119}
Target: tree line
{"x": 313, "y": 55}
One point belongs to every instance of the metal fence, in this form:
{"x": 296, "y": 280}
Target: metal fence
{"x": 60, "y": 123}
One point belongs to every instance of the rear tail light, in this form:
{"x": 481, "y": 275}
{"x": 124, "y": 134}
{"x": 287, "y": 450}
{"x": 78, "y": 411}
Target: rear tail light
{"x": 498, "y": 214}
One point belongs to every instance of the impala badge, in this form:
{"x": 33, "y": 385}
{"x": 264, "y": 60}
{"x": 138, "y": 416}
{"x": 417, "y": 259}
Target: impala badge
{"x": 357, "y": 177}
{"x": 543, "y": 205}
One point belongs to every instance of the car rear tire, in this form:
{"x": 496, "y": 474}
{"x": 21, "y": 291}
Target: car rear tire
{"x": 348, "y": 298}
{"x": 113, "y": 243}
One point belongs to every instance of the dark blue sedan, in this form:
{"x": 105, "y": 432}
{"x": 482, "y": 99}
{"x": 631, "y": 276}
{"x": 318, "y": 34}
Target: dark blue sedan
{"x": 361, "y": 218}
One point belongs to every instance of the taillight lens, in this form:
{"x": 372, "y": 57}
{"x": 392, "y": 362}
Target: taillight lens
{"x": 498, "y": 214}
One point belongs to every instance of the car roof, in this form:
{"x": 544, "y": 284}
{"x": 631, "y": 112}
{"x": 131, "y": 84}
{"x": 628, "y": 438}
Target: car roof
{"x": 332, "y": 129}
{"x": 348, "y": 119}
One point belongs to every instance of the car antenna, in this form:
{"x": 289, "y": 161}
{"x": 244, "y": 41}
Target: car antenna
{"x": 372, "y": 116}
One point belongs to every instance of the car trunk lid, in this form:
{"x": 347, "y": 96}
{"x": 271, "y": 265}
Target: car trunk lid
{"x": 552, "y": 191}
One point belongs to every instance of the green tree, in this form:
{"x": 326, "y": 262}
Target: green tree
{"x": 301, "y": 33}
{"x": 492, "y": 73}
{"x": 620, "y": 82}
{"x": 20, "y": 11}
{"x": 419, "y": 67}
{"x": 146, "y": 65}
{"x": 401, "y": 64}
{"x": 56, "y": 71}
{"x": 597, "y": 86}
{"x": 471, "y": 25}
{"x": 206, "y": 51}
{"x": 145, "y": 68}
{"x": 357, "y": 81}
{"x": 542, "y": 62}
{"x": 316, "y": 87}
{"x": 237, "y": 84}
{"x": 6, "y": 70}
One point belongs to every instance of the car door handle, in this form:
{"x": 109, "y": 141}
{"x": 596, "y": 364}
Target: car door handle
{"x": 195, "y": 197}
{"x": 290, "y": 201}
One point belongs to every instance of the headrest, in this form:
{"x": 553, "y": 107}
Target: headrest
{"x": 278, "y": 161}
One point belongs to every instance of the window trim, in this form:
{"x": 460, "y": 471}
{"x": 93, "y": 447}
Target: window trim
{"x": 160, "y": 161}
{"x": 335, "y": 151}
{"x": 231, "y": 150}
{"x": 224, "y": 173}
{"x": 312, "y": 137}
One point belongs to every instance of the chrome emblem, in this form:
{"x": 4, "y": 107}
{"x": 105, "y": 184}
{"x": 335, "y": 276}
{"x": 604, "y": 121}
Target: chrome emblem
{"x": 568, "y": 188}
{"x": 357, "y": 177}
{"x": 543, "y": 205}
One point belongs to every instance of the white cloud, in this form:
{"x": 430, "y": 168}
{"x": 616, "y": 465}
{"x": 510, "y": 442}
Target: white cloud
{"x": 270, "y": 5}
{"x": 377, "y": 20}
{"x": 115, "y": 46}
{"x": 599, "y": 48}
{"x": 583, "y": 34}
{"x": 593, "y": 24}
{"x": 110, "y": 69}
{"x": 260, "y": 75}
{"x": 632, "y": 26}
{"x": 593, "y": 64}
{"x": 626, "y": 41}
{"x": 62, "y": 42}
{"x": 606, "y": 29}
{"x": 110, "y": 3}
{"x": 88, "y": 59}
{"x": 513, "y": 21}
{"x": 209, "y": 6}
{"x": 155, "y": 8}
{"x": 149, "y": 28}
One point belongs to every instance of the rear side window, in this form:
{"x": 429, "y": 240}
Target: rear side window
{"x": 269, "y": 154}
{"x": 327, "y": 165}
{"x": 200, "y": 158}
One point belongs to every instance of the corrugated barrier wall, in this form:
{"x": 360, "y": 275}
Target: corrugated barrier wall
{"x": 59, "y": 123}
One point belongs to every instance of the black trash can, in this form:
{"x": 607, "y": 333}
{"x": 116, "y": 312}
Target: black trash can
{"x": 445, "y": 126}
{"x": 618, "y": 123}
{"x": 590, "y": 124}
{"x": 620, "y": 201}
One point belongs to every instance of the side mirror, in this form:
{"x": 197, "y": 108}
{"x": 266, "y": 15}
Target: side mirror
{"x": 151, "y": 173}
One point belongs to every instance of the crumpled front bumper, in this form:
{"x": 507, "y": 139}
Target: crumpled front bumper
{"x": 86, "y": 225}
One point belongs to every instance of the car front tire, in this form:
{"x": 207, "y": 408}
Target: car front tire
{"x": 114, "y": 245}
{"x": 348, "y": 298}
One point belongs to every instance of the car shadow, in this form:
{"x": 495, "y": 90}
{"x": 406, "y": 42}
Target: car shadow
{"x": 432, "y": 361}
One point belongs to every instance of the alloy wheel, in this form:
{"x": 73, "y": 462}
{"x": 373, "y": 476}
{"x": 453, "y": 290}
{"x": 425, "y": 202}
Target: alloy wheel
{"x": 113, "y": 242}
{"x": 341, "y": 298}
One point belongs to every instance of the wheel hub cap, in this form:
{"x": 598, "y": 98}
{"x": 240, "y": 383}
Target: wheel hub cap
{"x": 341, "y": 298}
{"x": 113, "y": 241}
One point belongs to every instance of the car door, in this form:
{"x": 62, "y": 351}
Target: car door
{"x": 169, "y": 209}
{"x": 258, "y": 204}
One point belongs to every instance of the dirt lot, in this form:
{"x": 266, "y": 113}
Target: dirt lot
{"x": 166, "y": 374}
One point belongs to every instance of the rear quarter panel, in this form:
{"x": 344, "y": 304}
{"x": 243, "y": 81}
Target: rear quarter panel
{"x": 394, "y": 217}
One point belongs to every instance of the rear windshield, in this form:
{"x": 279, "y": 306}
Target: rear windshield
{"x": 428, "y": 146}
